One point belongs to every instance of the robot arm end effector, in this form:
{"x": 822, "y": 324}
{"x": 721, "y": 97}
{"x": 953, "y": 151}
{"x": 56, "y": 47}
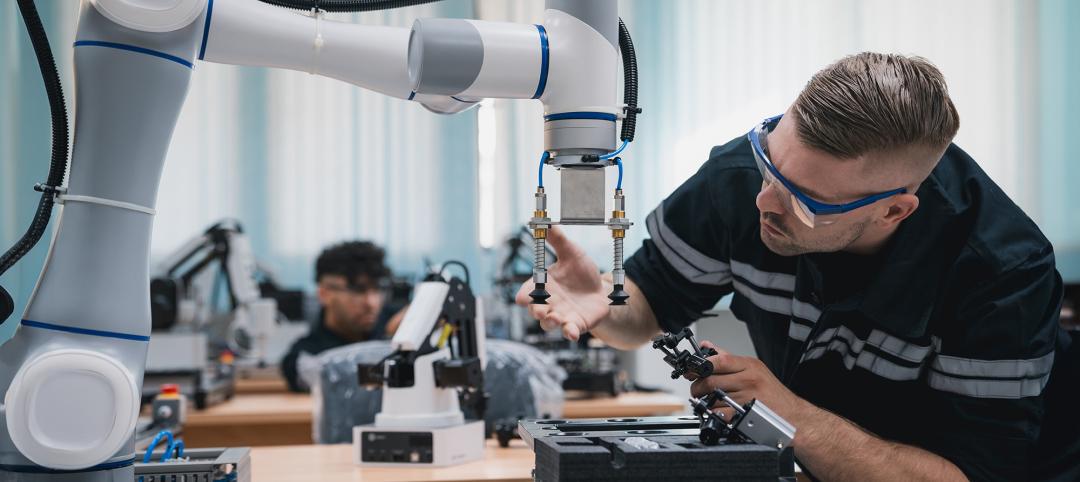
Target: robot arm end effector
{"x": 575, "y": 143}
{"x": 570, "y": 63}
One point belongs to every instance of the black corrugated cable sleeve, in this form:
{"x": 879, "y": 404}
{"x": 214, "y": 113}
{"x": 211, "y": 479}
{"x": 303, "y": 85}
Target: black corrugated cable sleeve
{"x": 58, "y": 164}
{"x": 630, "y": 83}
{"x": 346, "y": 5}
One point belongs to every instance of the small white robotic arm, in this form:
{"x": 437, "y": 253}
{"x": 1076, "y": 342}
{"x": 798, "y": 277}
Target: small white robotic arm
{"x": 433, "y": 375}
{"x": 438, "y": 350}
{"x": 182, "y": 292}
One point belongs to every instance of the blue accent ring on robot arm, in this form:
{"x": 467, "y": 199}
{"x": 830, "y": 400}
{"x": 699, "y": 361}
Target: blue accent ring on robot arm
{"x": 84, "y": 331}
{"x": 136, "y": 49}
{"x": 37, "y": 469}
{"x": 206, "y": 28}
{"x": 545, "y": 60}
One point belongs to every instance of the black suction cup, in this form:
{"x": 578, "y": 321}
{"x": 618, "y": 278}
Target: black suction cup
{"x": 618, "y": 296}
{"x": 539, "y": 295}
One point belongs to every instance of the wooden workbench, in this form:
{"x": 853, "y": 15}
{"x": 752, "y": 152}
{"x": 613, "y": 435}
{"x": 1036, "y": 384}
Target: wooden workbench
{"x": 332, "y": 463}
{"x": 335, "y": 463}
{"x": 285, "y": 418}
{"x": 261, "y": 385}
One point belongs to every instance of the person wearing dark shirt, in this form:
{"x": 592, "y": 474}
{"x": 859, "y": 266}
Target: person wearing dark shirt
{"x": 352, "y": 278}
{"x": 903, "y": 309}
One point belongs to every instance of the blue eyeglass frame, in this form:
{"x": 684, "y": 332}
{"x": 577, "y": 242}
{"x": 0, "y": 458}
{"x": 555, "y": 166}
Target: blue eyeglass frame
{"x": 816, "y": 207}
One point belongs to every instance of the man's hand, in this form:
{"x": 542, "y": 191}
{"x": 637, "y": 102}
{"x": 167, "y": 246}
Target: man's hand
{"x": 831, "y": 447}
{"x": 578, "y": 293}
{"x": 746, "y": 378}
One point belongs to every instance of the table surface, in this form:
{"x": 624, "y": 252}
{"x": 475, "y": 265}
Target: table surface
{"x": 261, "y": 385}
{"x": 332, "y": 463}
{"x": 335, "y": 463}
{"x": 263, "y": 408}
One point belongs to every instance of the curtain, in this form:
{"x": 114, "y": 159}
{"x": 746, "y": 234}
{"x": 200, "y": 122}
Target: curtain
{"x": 1057, "y": 169}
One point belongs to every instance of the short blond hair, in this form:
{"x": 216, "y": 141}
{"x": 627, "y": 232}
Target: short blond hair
{"x": 872, "y": 102}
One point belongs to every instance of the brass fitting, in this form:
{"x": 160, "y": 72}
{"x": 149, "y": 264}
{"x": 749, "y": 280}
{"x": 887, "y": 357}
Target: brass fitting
{"x": 618, "y": 233}
{"x": 540, "y": 233}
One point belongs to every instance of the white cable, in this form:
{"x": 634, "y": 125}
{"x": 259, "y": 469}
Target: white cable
{"x": 65, "y": 198}
{"x": 318, "y": 42}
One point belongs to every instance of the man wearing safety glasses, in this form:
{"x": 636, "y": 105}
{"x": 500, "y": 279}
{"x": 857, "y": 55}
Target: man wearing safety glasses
{"x": 904, "y": 311}
{"x": 353, "y": 284}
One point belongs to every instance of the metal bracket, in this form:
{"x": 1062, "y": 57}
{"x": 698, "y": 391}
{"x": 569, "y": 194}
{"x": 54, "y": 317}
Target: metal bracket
{"x": 684, "y": 361}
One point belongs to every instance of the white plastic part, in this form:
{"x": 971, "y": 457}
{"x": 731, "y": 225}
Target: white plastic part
{"x": 584, "y": 67}
{"x": 449, "y": 445}
{"x": 442, "y": 104}
{"x": 512, "y": 59}
{"x": 422, "y": 405}
{"x": 247, "y": 32}
{"x": 258, "y": 319}
{"x": 64, "y": 198}
{"x": 242, "y": 267}
{"x": 177, "y": 351}
{"x": 480, "y": 324}
{"x": 151, "y": 15}
{"x": 423, "y": 313}
{"x": 71, "y": 409}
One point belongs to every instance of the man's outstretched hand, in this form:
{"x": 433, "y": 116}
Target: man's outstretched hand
{"x": 578, "y": 293}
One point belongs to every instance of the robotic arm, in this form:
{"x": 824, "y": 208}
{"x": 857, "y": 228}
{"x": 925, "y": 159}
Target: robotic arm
{"x": 570, "y": 63}
{"x": 434, "y": 374}
{"x": 86, "y": 327}
{"x": 249, "y": 32}
{"x": 182, "y": 294}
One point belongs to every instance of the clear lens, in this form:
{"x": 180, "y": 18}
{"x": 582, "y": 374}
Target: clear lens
{"x": 801, "y": 211}
{"x": 790, "y": 202}
{"x": 786, "y": 197}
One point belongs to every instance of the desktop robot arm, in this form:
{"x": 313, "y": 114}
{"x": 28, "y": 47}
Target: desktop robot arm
{"x": 182, "y": 294}
{"x": 85, "y": 329}
{"x": 433, "y": 398}
{"x": 438, "y": 349}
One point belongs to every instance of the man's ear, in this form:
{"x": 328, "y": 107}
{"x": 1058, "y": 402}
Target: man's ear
{"x": 899, "y": 208}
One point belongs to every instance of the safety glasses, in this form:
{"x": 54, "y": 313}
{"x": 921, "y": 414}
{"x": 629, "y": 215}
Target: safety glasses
{"x": 811, "y": 212}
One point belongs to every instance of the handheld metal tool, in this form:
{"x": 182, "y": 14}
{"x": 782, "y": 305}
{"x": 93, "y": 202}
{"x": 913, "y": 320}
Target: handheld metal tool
{"x": 684, "y": 361}
{"x": 754, "y": 422}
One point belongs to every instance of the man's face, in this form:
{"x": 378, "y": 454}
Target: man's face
{"x": 825, "y": 178}
{"x": 352, "y": 308}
